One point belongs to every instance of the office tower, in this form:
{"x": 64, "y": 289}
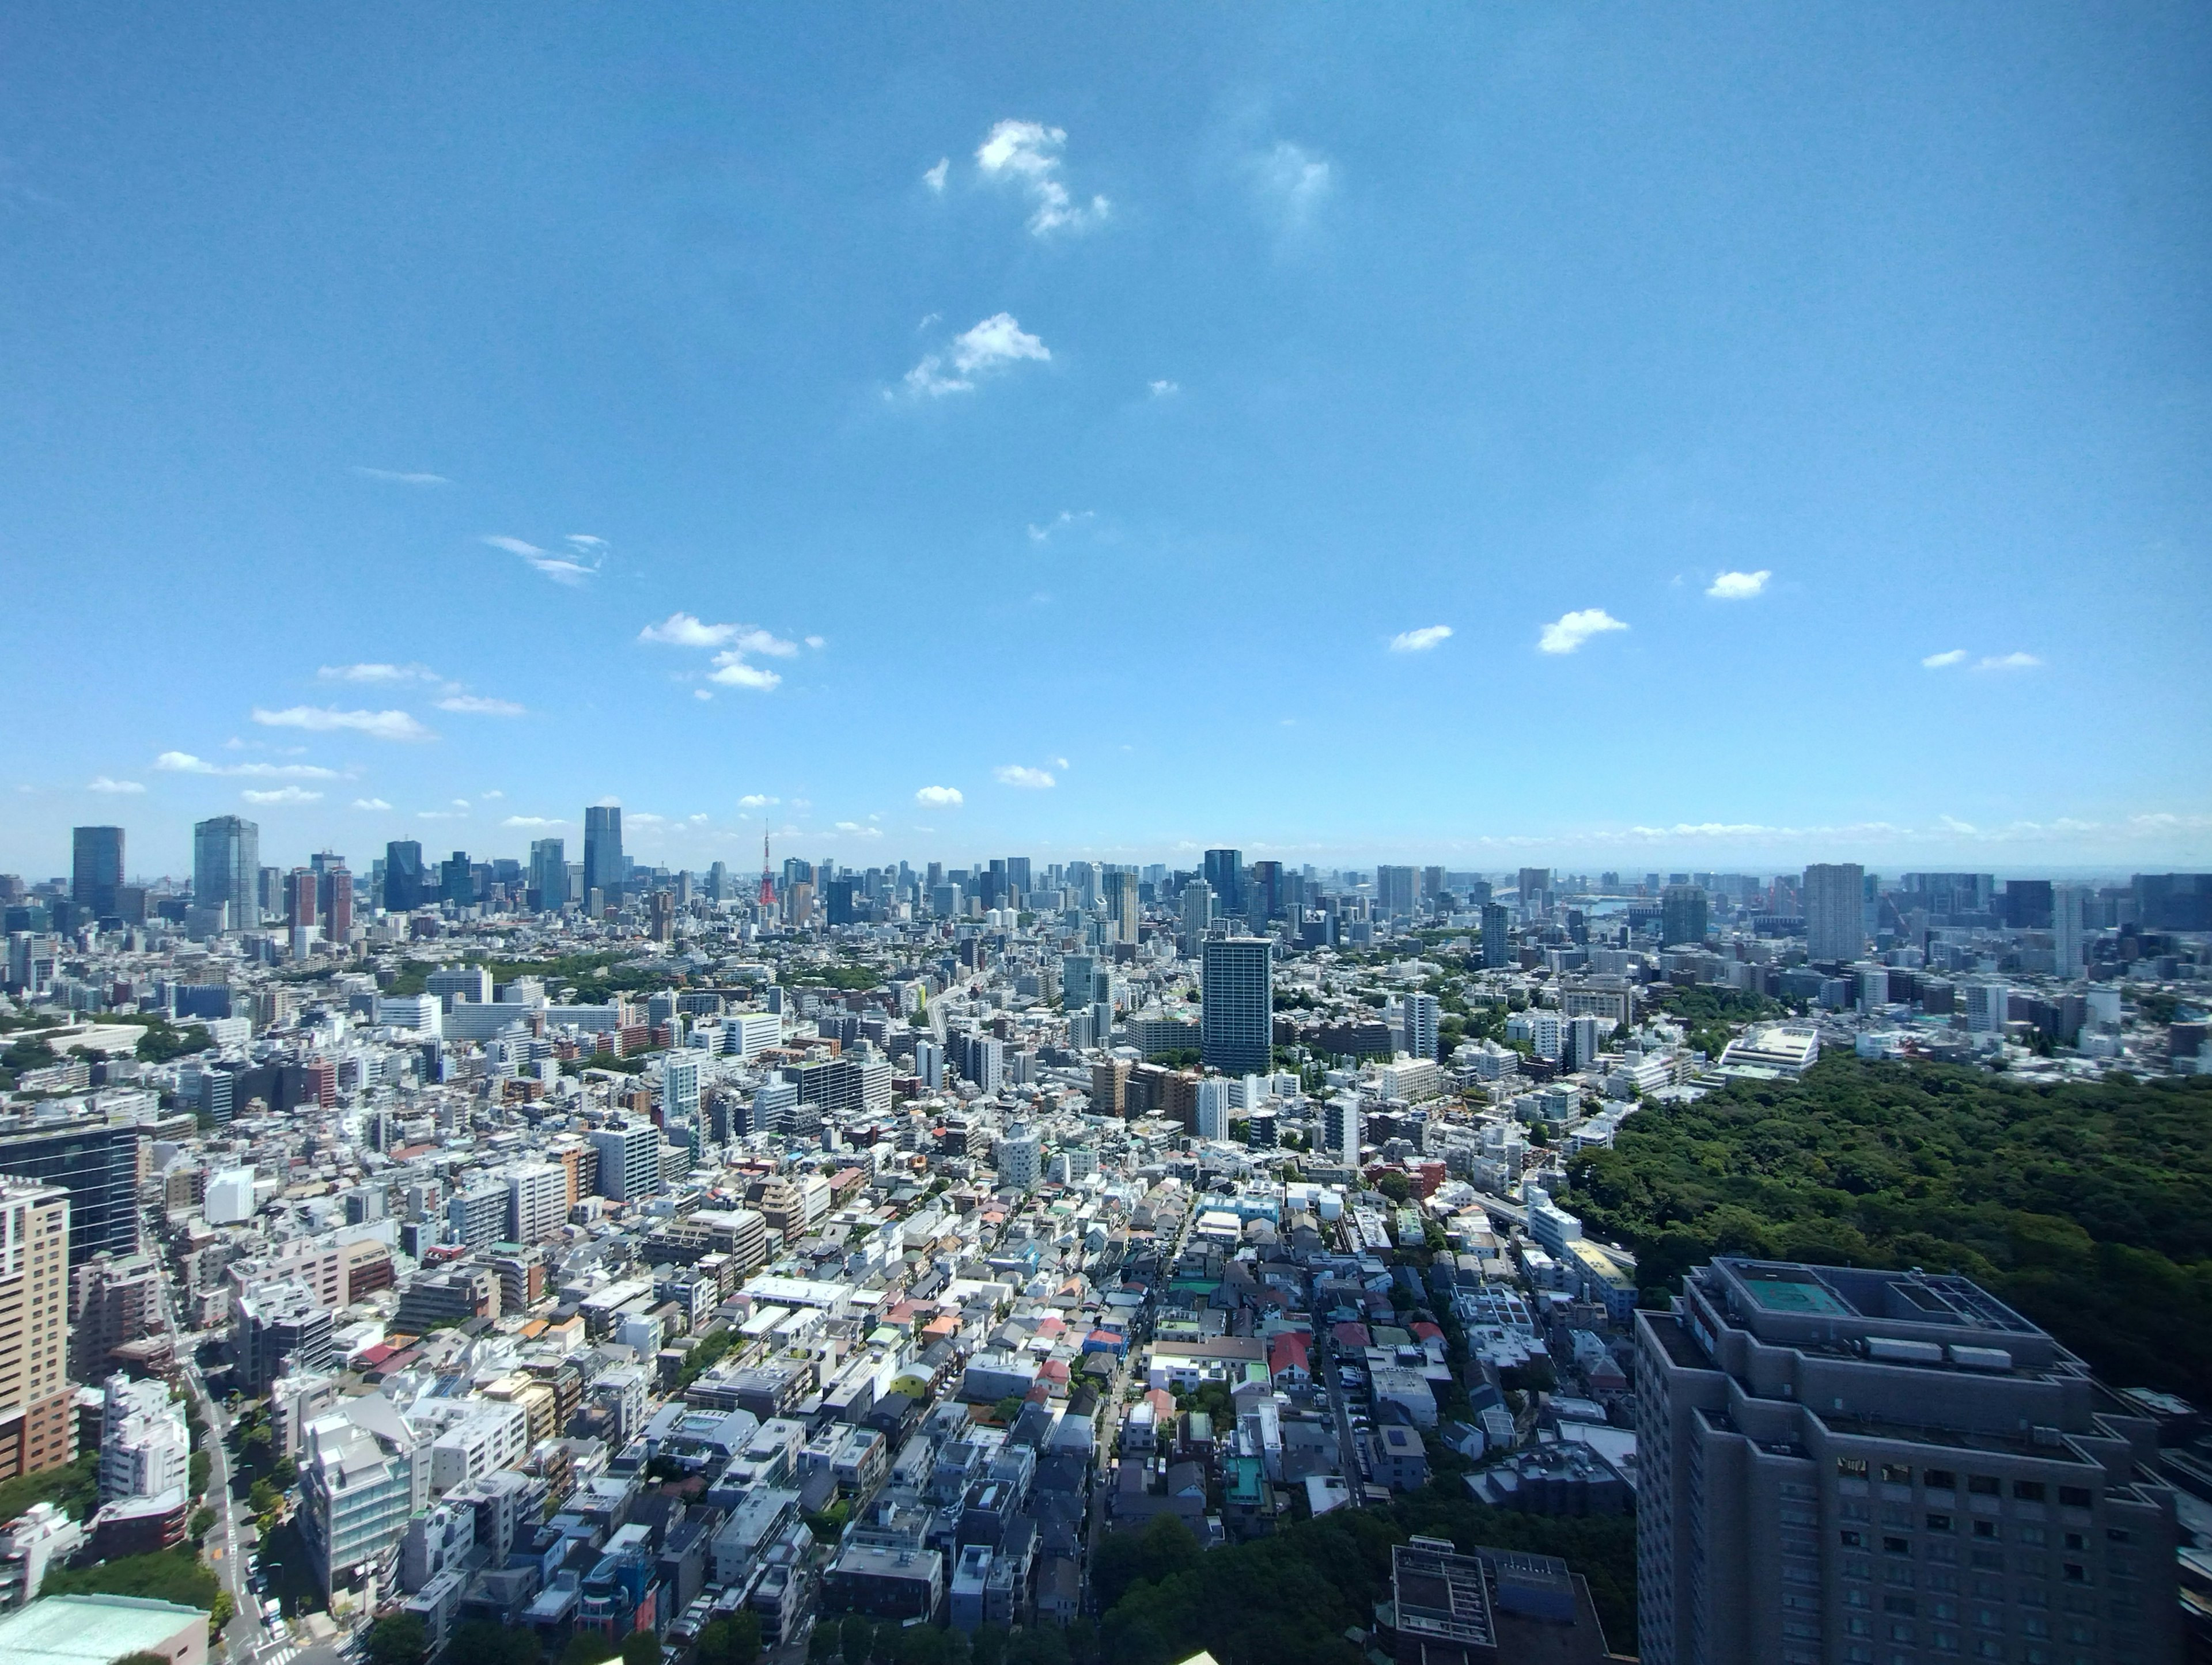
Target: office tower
{"x": 2172, "y": 901}
{"x": 1422, "y": 1015}
{"x": 549, "y": 874}
{"x": 1224, "y": 871}
{"x": 1129, "y": 913}
{"x": 335, "y": 896}
{"x": 1075, "y": 981}
{"x": 2066, "y": 902}
{"x": 1535, "y": 885}
{"x": 96, "y": 869}
{"x": 837, "y": 900}
{"x": 1683, "y": 915}
{"x": 1432, "y": 886}
{"x": 37, "y": 1431}
{"x": 1265, "y": 892}
{"x": 1197, "y": 914}
{"x": 2027, "y": 904}
{"x": 1839, "y": 1465}
{"x": 1497, "y": 934}
{"x": 96, "y": 1163}
{"x": 403, "y": 889}
{"x": 1394, "y": 892}
{"x": 605, "y": 869}
{"x": 1835, "y": 916}
{"x": 664, "y": 916}
{"x": 629, "y": 1160}
{"x": 1018, "y": 875}
{"x": 301, "y": 899}
{"x": 456, "y": 882}
{"x": 227, "y": 869}
{"x": 1341, "y": 1129}
{"x": 1237, "y": 1005}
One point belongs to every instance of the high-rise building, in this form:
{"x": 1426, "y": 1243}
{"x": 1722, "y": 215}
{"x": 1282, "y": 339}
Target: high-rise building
{"x": 1224, "y": 871}
{"x": 302, "y": 899}
{"x": 1075, "y": 981}
{"x": 1432, "y": 885}
{"x": 1684, "y": 914}
{"x": 1341, "y": 1129}
{"x": 1844, "y": 1465}
{"x": 1197, "y": 912}
{"x": 605, "y": 869}
{"x": 629, "y": 1160}
{"x": 36, "y": 1429}
{"x": 1016, "y": 1158}
{"x": 1211, "y": 1096}
{"x": 1536, "y": 886}
{"x": 227, "y": 869}
{"x": 1835, "y": 911}
{"x": 456, "y": 881}
{"x": 1128, "y": 911}
{"x": 403, "y": 888}
{"x": 96, "y": 868}
{"x": 2068, "y": 955}
{"x": 1394, "y": 892}
{"x": 537, "y": 1201}
{"x": 96, "y": 1163}
{"x": 1264, "y": 893}
{"x": 549, "y": 874}
{"x": 1237, "y": 1004}
{"x": 1423, "y": 1013}
{"x": 1497, "y": 934}
{"x": 1018, "y": 875}
{"x": 334, "y": 896}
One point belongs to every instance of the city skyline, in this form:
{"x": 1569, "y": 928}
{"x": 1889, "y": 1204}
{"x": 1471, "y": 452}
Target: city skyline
{"x": 1006, "y": 436}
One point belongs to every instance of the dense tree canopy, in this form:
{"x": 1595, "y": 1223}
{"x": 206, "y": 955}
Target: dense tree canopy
{"x": 2087, "y": 1206}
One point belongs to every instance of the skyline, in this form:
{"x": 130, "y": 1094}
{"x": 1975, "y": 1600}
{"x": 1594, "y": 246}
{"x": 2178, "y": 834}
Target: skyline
{"x": 1681, "y": 440}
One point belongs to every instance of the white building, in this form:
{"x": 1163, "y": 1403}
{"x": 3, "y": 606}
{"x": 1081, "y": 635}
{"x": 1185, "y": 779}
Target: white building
{"x": 1212, "y": 1095}
{"x": 494, "y": 1435}
{"x": 366, "y": 1472}
{"x": 629, "y": 1160}
{"x": 537, "y": 1202}
{"x": 424, "y": 1014}
{"x": 144, "y": 1450}
{"x": 1019, "y": 1158}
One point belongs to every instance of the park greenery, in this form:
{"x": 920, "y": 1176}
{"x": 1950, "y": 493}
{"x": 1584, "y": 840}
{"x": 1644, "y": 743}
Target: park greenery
{"x": 73, "y": 1486}
{"x": 2087, "y": 1206}
{"x": 175, "y": 1575}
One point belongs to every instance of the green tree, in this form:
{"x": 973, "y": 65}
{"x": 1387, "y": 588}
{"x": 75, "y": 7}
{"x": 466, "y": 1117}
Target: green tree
{"x": 587, "y": 1648}
{"x": 731, "y": 1641}
{"x": 1395, "y": 1186}
{"x": 399, "y": 1639}
{"x": 262, "y": 1497}
{"x": 642, "y": 1647}
{"x": 286, "y": 1473}
{"x": 201, "y": 1522}
{"x": 988, "y": 1645}
{"x": 856, "y": 1639}
{"x": 481, "y": 1642}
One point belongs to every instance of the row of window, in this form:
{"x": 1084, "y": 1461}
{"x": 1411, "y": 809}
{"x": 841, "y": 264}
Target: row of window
{"x": 1946, "y": 1479}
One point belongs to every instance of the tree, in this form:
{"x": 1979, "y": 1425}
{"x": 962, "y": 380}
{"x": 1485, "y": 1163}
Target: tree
{"x": 481, "y": 1642}
{"x": 642, "y": 1647}
{"x": 857, "y": 1639}
{"x": 262, "y": 1497}
{"x": 399, "y": 1639}
{"x": 202, "y": 1522}
{"x": 1395, "y": 1186}
{"x": 587, "y": 1648}
{"x": 731, "y": 1641}
{"x": 286, "y": 1473}
{"x": 988, "y": 1645}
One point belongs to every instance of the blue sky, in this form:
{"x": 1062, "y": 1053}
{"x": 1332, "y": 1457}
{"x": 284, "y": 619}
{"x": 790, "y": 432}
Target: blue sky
{"x": 1160, "y": 426}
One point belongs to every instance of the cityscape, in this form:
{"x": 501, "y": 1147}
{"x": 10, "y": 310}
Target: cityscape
{"x": 1122, "y": 836}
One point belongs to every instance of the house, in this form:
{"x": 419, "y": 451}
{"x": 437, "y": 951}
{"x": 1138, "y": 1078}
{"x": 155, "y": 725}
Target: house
{"x": 1290, "y": 1360}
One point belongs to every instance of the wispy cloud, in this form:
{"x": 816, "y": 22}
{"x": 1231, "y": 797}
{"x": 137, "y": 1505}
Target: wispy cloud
{"x": 1570, "y": 630}
{"x": 1027, "y": 152}
{"x": 282, "y": 795}
{"x": 1293, "y": 181}
{"x": 1066, "y": 520}
{"x": 183, "y": 763}
{"x": 479, "y": 705}
{"x": 532, "y": 821}
{"x": 102, "y": 783}
{"x": 370, "y": 803}
{"x": 2009, "y": 662}
{"x": 377, "y": 673}
{"x": 1738, "y": 586}
{"x": 1165, "y": 389}
{"x": 686, "y": 630}
{"x": 733, "y": 670}
{"x": 934, "y": 177}
{"x": 939, "y": 798}
{"x": 732, "y": 667}
{"x": 392, "y": 476}
{"x": 1944, "y": 661}
{"x": 991, "y": 345}
{"x": 855, "y": 829}
{"x": 1018, "y": 774}
{"x": 754, "y": 801}
{"x": 561, "y": 568}
{"x": 320, "y": 719}
{"x": 1420, "y": 640}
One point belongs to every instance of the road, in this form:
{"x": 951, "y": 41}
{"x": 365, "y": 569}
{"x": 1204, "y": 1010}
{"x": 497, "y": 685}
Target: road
{"x": 1347, "y": 1448}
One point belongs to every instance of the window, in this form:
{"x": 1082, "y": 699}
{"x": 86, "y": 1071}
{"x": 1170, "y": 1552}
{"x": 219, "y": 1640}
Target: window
{"x": 1897, "y": 1474}
{"x": 2031, "y": 1534}
{"x": 2077, "y": 1541}
{"x": 1897, "y": 1546}
{"x": 2027, "y": 1491}
{"x": 1986, "y": 1528}
{"x": 2076, "y": 1573}
{"x": 1941, "y": 1479}
{"x": 1902, "y": 1604}
{"x": 1983, "y": 1485}
{"x": 1852, "y": 1468}
{"x": 1939, "y": 1523}
{"x": 1853, "y": 1540}
{"x": 2073, "y": 1496}
{"x": 2118, "y": 1534}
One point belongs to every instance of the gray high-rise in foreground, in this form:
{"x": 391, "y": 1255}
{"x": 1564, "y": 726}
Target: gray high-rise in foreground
{"x": 227, "y": 868}
{"x": 1236, "y": 1010}
{"x": 1497, "y": 934}
{"x": 1840, "y": 1466}
{"x": 1835, "y": 911}
{"x": 96, "y": 868}
{"x": 604, "y": 868}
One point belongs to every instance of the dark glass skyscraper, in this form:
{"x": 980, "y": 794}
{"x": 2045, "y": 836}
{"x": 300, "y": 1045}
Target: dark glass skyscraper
{"x": 1224, "y": 871}
{"x": 96, "y": 868}
{"x": 403, "y": 876}
{"x": 1237, "y": 1014}
{"x": 604, "y": 868}
{"x": 98, "y": 1164}
{"x": 227, "y": 868}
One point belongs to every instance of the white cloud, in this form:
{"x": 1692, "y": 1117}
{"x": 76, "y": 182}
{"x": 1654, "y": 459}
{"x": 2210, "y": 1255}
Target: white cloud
{"x": 391, "y": 476}
{"x": 584, "y": 540}
{"x": 754, "y": 801}
{"x": 733, "y": 671}
{"x": 858, "y": 831}
{"x": 2009, "y": 662}
{"x": 478, "y": 705}
{"x": 1944, "y": 661}
{"x": 1570, "y": 630}
{"x": 685, "y": 630}
{"x": 494, "y": 792}
{"x": 817, "y": 641}
{"x": 939, "y": 798}
{"x": 702, "y": 693}
{"x": 377, "y": 673}
{"x": 370, "y": 803}
{"x": 558, "y": 568}
{"x": 282, "y": 795}
{"x": 1066, "y": 520}
{"x": 1738, "y": 586}
{"x": 1294, "y": 179}
{"x": 101, "y": 783}
{"x": 322, "y": 719}
{"x": 998, "y": 341}
{"x": 934, "y": 177}
{"x": 608, "y": 803}
{"x": 532, "y": 821}
{"x": 1165, "y": 389}
{"x": 1017, "y": 774}
{"x": 183, "y": 763}
{"x": 1028, "y": 152}
{"x": 1420, "y": 640}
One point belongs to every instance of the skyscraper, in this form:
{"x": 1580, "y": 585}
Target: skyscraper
{"x": 1832, "y": 1459}
{"x": 1224, "y": 871}
{"x": 337, "y": 899}
{"x": 1236, "y": 1012}
{"x": 96, "y": 868}
{"x": 1835, "y": 911}
{"x": 1536, "y": 884}
{"x": 456, "y": 882}
{"x": 1423, "y": 1013}
{"x": 35, "y": 1395}
{"x": 2066, "y": 901}
{"x": 403, "y": 876}
{"x": 1128, "y": 911}
{"x": 1394, "y": 892}
{"x": 1683, "y": 915}
{"x": 549, "y": 874}
{"x": 1497, "y": 934}
{"x": 227, "y": 868}
{"x": 302, "y": 899}
{"x": 1197, "y": 912}
{"x": 603, "y": 867}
